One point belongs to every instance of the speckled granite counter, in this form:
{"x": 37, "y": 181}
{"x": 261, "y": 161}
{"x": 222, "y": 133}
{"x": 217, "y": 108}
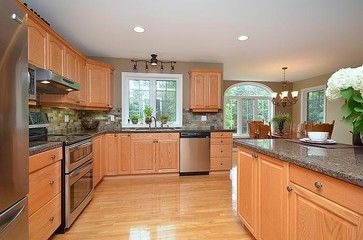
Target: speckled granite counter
{"x": 38, "y": 147}
{"x": 345, "y": 163}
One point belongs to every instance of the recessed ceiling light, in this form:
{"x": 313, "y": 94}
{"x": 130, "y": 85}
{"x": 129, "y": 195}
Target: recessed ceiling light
{"x": 139, "y": 29}
{"x": 45, "y": 81}
{"x": 243, "y": 38}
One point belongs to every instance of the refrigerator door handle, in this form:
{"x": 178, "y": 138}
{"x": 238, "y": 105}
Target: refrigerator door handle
{"x": 8, "y": 217}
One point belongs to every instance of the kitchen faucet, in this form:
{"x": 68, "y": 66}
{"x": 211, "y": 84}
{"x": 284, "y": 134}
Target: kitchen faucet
{"x": 152, "y": 117}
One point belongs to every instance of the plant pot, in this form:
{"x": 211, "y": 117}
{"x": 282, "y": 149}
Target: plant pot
{"x": 357, "y": 139}
{"x": 148, "y": 120}
{"x": 134, "y": 121}
{"x": 164, "y": 121}
{"x": 281, "y": 128}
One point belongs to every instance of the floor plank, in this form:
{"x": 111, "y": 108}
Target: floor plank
{"x": 193, "y": 207}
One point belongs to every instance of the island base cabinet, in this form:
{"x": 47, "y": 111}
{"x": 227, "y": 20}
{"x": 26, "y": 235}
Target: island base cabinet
{"x": 315, "y": 217}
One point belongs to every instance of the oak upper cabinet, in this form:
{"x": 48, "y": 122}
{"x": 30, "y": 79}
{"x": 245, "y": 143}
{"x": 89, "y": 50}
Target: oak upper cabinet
{"x": 81, "y": 75}
{"x": 205, "y": 93}
{"x": 247, "y": 189}
{"x": 70, "y": 69}
{"x": 37, "y": 44}
{"x": 99, "y": 87}
{"x": 167, "y": 154}
{"x": 322, "y": 207}
{"x": 273, "y": 198}
{"x": 142, "y": 153}
{"x": 56, "y": 55}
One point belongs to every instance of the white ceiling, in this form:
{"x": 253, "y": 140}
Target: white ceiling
{"x": 310, "y": 37}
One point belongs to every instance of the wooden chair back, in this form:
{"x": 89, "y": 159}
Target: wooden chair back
{"x": 264, "y": 131}
{"x": 297, "y": 131}
{"x": 253, "y": 128}
{"x": 320, "y": 127}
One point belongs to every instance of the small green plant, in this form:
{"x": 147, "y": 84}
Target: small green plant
{"x": 280, "y": 120}
{"x": 164, "y": 118}
{"x": 135, "y": 118}
{"x": 148, "y": 112}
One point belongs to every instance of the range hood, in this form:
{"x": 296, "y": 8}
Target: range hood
{"x": 51, "y": 83}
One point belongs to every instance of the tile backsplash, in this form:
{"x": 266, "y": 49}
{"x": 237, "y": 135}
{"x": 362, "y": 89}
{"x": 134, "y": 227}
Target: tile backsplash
{"x": 57, "y": 122}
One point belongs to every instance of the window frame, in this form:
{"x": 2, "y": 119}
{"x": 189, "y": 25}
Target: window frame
{"x": 239, "y": 102}
{"x": 304, "y": 101}
{"x": 153, "y": 77}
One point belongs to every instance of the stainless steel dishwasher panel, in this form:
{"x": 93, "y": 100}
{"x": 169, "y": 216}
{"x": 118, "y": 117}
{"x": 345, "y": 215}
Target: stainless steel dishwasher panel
{"x": 194, "y": 155}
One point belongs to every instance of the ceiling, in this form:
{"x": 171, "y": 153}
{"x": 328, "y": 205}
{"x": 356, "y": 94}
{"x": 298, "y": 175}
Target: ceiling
{"x": 310, "y": 37}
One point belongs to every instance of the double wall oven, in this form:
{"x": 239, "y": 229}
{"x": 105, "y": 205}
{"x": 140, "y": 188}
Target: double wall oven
{"x": 77, "y": 166}
{"x": 78, "y": 179}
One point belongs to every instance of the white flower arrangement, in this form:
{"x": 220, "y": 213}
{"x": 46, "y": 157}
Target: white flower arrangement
{"x": 343, "y": 79}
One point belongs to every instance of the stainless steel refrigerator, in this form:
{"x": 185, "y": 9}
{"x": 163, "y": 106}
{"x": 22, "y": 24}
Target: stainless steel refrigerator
{"x": 14, "y": 151}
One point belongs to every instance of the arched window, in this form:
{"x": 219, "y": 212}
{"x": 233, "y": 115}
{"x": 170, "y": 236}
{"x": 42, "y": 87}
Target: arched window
{"x": 244, "y": 102}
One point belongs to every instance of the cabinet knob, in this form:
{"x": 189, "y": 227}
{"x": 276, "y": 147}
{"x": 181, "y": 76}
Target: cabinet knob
{"x": 221, "y": 141}
{"x": 51, "y": 182}
{"x": 289, "y": 188}
{"x": 51, "y": 219}
{"x": 52, "y": 157}
{"x": 221, "y": 164}
{"x": 318, "y": 185}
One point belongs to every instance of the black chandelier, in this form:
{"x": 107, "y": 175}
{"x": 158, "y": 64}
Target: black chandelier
{"x": 154, "y": 62}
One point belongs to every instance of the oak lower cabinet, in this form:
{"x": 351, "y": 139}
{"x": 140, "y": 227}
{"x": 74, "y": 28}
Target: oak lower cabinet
{"x": 262, "y": 196}
{"x": 98, "y": 145}
{"x": 154, "y": 153}
{"x": 44, "y": 193}
{"x": 221, "y": 151}
{"x": 117, "y": 154}
{"x": 322, "y": 207}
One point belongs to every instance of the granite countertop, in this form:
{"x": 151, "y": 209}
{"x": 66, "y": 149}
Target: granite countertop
{"x": 38, "y": 147}
{"x": 344, "y": 163}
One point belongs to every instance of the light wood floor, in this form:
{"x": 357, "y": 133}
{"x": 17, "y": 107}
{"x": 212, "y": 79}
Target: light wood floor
{"x": 193, "y": 207}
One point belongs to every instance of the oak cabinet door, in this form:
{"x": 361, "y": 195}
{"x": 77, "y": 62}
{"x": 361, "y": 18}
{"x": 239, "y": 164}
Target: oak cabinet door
{"x": 197, "y": 96}
{"x": 247, "y": 190}
{"x": 110, "y": 154}
{"x": 273, "y": 198}
{"x": 167, "y": 155}
{"x": 315, "y": 217}
{"x": 56, "y": 55}
{"x": 70, "y": 70}
{"x": 37, "y": 44}
{"x": 97, "y": 158}
{"x": 142, "y": 156}
{"x": 97, "y": 86}
{"x": 123, "y": 153}
{"x": 213, "y": 90}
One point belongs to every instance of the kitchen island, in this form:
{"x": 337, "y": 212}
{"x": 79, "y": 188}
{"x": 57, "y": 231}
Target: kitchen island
{"x": 287, "y": 190}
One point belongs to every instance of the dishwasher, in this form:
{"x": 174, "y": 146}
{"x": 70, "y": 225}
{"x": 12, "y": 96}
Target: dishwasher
{"x": 194, "y": 153}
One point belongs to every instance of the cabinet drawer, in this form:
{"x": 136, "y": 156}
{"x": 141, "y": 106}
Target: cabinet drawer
{"x": 221, "y": 151}
{"x": 46, "y": 220}
{"x": 44, "y": 184}
{"x": 221, "y": 134}
{"x": 219, "y": 164}
{"x": 154, "y": 135}
{"x": 43, "y": 159}
{"x": 345, "y": 194}
{"x": 221, "y": 141}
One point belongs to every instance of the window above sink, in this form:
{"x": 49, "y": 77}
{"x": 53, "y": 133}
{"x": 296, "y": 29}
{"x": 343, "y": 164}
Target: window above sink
{"x": 162, "y": 92}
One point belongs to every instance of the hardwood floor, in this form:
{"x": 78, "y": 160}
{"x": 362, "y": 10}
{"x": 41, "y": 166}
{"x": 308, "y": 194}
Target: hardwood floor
{"x": 193, "y": 207}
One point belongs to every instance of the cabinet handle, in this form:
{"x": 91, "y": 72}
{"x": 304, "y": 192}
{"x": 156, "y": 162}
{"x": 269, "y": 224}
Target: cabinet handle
{"x": 51, "y": 219}
{"x": 52, "y": 157}
{"x": 51, "y": 182}
{"x": 16, "y": 18}
{"x": 318, "y": 185}
{"x": 221, "y": 141}
{"x": 289, "y": 188}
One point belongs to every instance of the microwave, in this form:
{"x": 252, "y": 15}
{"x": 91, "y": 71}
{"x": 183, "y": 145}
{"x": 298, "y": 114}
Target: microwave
{"x": 32, "y": 83}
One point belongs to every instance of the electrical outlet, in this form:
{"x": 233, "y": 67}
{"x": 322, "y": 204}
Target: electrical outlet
{"x": 112, "y": 118}
{"x": 203, "y": 118}
{"x": 66, "y": 118}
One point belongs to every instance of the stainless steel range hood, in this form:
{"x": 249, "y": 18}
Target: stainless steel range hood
{"x": 51, "y": 83}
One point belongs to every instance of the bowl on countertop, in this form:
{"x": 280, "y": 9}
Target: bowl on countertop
{"x": 90, "y": 124}
{"x": 318, "y": 136}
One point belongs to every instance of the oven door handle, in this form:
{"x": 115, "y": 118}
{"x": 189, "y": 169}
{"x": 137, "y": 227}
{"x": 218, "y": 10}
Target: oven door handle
{"x": 78, "y": 173}
{"x": 86, "y": 144}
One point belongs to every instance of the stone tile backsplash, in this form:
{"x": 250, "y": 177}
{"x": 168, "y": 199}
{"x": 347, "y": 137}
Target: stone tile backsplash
{"x": 57, "y": 115}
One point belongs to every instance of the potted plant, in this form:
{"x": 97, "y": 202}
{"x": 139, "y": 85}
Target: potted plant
{"x": 348, "y": 83}
{"x": 280, "y": 120}
{"x": 148, "y": 112}
{"x": 135, "y": 118}
{"x": 164, "y": 119}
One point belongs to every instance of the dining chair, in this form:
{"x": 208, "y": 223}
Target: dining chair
{"x": 264, "y": 131}
{"x": 297, "y": 131}
{"x": 253, "y": 128}
{"x": 320, "y": 127}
